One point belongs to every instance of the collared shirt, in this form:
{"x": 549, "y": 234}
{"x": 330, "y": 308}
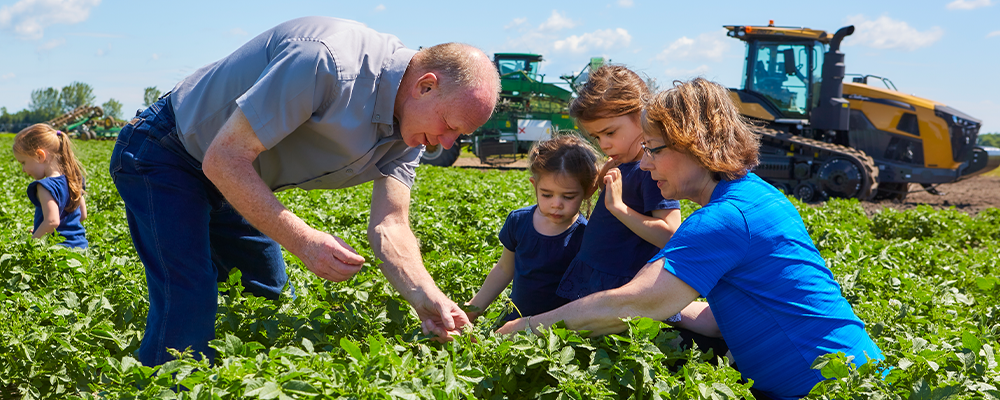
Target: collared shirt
{"x": 319, "y": 94}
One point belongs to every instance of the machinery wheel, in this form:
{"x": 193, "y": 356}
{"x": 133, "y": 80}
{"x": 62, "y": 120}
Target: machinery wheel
{"x": 892, "y": 191}
{"x": 440, "y": 156}
{"x": 841, "y": 178}
{"x": 804, "y": 192}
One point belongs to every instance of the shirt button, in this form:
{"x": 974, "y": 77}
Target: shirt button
{"x": 378, "y": 117}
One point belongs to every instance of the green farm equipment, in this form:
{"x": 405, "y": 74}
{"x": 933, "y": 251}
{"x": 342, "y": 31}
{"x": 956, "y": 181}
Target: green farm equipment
{"x": 88, "y": 122}
{"x": 529, "y": 110}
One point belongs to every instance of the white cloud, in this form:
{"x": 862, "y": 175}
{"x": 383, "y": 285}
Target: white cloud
{"x": 625, "y": 3}
{"x": 100, "y": 52}
{"x": 604, "y": 39}
{"x": 7, "y": 76}
{"x": 52, "y": 44}
{"x": 380, "y": 7}
{"x": 680, "y": 73}
{"x": 707, "y": 46}
{"x": 887, "y": 33}
{"x": 155, "y": 56}
{"x": 516, "y": 22}
{"x": 992, "y": 34}
{"x": 29, "y": 18}
{"x": 969, "y": 4}
{"x": 237, "y": 32}
{"x": 556, "y": 21}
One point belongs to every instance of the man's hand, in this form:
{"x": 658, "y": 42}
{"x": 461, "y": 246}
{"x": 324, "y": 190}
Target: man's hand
{"x": 613, "y": 192}
{"x": 330, "y": 258}
{"x": 440, "y": 316}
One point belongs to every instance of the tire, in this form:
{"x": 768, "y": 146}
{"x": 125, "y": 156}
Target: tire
{"x": 439, "y": 156}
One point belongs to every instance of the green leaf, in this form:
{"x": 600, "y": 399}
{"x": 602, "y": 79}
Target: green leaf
{"x": 971, "y": 342}
{"x": 351, "y": 348}
{"x": 299, "y": 387}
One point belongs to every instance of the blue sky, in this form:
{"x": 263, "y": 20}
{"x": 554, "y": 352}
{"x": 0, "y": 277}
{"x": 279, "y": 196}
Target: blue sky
{"x": 943, "y": 50}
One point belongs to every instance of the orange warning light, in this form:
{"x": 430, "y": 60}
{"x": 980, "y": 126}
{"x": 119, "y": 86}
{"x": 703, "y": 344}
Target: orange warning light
{"x": 770, "y": 22}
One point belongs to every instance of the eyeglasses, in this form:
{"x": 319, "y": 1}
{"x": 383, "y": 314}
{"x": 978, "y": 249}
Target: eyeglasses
{"x": 651, "y": 151}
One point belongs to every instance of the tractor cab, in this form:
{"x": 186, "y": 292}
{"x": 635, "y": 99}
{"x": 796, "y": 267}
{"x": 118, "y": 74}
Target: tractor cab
{"x": 784, "y": 65}
{"x": 517, "y": 65}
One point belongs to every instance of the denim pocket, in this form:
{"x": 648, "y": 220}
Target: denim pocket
{"x": 124, "y": 138}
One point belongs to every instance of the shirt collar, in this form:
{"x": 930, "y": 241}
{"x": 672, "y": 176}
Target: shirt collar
{"x": 391, "y": 77}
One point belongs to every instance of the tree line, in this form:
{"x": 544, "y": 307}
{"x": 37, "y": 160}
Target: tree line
{"x": 49, "y": 103}
{"x": 989, "y": 139}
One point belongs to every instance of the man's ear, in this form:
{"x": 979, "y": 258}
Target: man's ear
{"x": 425, "y": 84}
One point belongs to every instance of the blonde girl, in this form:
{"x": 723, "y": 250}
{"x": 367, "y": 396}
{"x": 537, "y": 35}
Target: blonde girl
{"x": 46, "y": 155}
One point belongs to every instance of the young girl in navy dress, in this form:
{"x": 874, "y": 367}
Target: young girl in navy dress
{"x": 631, "y": 220}
{"x": 57, "y": 192}
{"x": 540, "y": 241}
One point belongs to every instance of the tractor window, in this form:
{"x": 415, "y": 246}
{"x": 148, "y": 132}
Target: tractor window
{"x": 816, "y": 65}
{"x": 781, "y": 73}
{"x": 508, "y": 66}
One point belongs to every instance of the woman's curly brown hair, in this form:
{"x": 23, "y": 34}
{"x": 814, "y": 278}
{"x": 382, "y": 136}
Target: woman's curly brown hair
{"x": 699, "y": 117}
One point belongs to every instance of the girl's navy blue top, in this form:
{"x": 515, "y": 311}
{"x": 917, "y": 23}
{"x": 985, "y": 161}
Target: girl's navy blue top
{"x": 539, "y": 260}
{"x": 611, "y": 253}
{"x": 69, "y": 222}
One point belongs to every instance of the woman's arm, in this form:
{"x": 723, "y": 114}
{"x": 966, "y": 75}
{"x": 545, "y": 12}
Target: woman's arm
{"x": 697, "y": 317}
{"x": 653, "y": 293}
{"x": 656, "y": 229}
{"x": 50, "y": 213}
{"x": 498, "y": 279}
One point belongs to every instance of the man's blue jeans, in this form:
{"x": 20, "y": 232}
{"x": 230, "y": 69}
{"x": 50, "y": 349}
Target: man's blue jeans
{"x": 187, "y": 236}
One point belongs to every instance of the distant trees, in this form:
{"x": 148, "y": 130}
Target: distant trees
{"x": 76, "y": 94}
{"x": 989, "y": 139}
{"x": 49, "y": 103}
{"x": 150, "y": 96}
{"x": 45, "y": 103}
{"x": 112, "y": 108}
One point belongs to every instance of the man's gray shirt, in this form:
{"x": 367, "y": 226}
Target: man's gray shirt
{"x": 318, "y": 92}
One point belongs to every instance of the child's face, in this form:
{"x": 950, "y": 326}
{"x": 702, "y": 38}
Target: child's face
{"x": 32, "y": 166}
{"x": 559, "y": 197}
{"x": 618, "y": 137}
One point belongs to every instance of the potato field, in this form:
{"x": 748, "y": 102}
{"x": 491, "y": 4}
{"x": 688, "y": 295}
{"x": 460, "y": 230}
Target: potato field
{"x": 926, "y": 282}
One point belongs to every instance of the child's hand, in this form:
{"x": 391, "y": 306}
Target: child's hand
{"x": 471, "y": 311}
{"x": 613, "y": 192}
{"x": 608, "y": 166}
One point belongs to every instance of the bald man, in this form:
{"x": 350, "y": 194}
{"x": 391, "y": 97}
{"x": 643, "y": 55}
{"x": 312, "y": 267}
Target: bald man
{"x": 314, "y": 103}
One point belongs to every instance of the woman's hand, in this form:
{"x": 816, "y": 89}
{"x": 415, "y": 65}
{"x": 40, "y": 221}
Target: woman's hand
{"x": 613, "y": 193}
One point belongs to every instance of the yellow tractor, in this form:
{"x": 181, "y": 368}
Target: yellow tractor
{"x": 823, "y": 137}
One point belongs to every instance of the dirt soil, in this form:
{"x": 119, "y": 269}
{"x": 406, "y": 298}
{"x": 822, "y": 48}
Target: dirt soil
{"x": 970, "y": 196}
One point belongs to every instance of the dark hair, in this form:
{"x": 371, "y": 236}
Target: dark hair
{"x": 699, "y": 117}
{"x": 610, "y": 91}
{"x": 57, "y": 144}
{"x": 567, "y": 154}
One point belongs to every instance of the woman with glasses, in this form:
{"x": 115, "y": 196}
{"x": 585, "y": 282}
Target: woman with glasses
{"x": 746, "y": 251}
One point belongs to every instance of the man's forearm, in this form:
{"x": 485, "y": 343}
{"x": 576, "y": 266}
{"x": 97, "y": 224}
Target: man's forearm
{"x": 396, "y": 246}
{"x": 251, "y": 197}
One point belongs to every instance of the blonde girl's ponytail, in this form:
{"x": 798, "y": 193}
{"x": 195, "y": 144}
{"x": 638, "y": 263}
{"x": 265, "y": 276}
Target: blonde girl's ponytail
{"x": 73, "y": 169}
{"x": 43, "y": 136}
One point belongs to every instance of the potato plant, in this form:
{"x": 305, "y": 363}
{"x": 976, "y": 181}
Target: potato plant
{"x": 924, "y": 281}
